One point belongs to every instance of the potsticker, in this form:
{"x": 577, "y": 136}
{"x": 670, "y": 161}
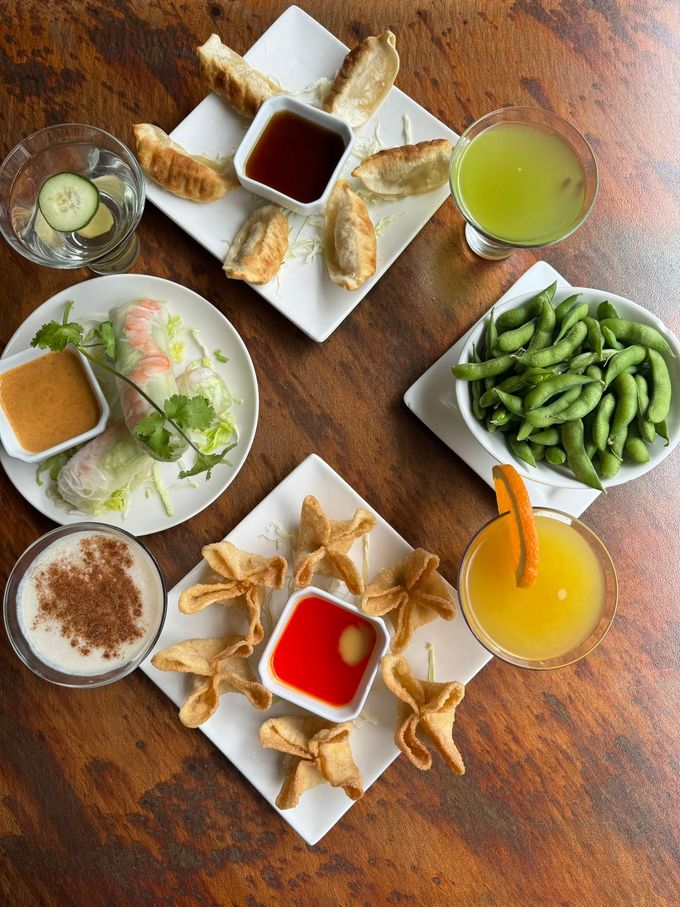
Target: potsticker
{"x": 407, "y": 170}
{"x": 364, "y": 79}
{"x": 317, "y": 752}
{"x": 322, "y": 545}
{"x": 349, "y": 238}
{"x": 233, "y": 78}
{"x": 212, "y": 676}
{"x": 259, "y": 247}
{"x": 424, "y": 707}
{"x": 193, "y": 176}
{"x": 412, "y": 593}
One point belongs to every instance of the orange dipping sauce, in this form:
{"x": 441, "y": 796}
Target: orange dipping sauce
{"x": 324, "y": 650}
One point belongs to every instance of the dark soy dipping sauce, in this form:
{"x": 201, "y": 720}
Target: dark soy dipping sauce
{"x": 295, "y": 156}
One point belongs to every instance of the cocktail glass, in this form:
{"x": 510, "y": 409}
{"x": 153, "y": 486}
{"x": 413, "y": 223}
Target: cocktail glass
{"x": 546, "y": 186}
{"x": 100, "y": 158}
{"x": 571, "y": 653}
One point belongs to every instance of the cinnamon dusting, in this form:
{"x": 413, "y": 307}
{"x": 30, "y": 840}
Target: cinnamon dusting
{"x": 92, "y": 597}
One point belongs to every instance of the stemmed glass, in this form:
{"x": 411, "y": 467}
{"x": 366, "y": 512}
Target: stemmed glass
{"x": 548, "y": 141}
{"x": 110, "y": 245}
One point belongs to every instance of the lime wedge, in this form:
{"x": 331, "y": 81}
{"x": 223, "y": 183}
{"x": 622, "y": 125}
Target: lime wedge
{"x": 100, "y": 223}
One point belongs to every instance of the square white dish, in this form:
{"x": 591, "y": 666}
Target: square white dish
{"x": 433, "y": 399}
{"x": 234, "y": 727}
{"x": 298, "y": 52}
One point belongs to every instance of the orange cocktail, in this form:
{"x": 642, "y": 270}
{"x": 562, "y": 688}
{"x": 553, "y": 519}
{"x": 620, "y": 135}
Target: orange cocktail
{"x": 562, "y": 615}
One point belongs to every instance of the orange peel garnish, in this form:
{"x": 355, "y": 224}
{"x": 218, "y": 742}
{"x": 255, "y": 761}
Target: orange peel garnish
{"x": 513, "y": 498}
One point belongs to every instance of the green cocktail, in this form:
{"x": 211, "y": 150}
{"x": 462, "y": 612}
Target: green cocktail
{"x": 521, "y": 177}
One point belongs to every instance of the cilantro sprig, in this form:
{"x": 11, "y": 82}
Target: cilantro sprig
{"x": 179, "y": 414}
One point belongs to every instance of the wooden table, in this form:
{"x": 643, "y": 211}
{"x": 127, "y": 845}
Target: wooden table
{"x": 571, "y": 791}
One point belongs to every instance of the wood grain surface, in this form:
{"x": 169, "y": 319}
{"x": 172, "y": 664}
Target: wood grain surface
{"x": 571, "y": 792}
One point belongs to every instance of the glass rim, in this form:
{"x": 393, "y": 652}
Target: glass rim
{"x": 134, "y": 164}
{"x": 134, "y": 663}
{"x": 544, "y": 664}
{"x": 511, "y": 244}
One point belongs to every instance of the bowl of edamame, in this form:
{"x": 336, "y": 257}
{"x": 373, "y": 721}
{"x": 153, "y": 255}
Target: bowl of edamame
{"x": 574, "y": 387}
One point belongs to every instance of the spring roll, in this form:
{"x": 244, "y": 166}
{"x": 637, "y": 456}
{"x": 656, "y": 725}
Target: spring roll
{"x": 143, "y": 355}
{"x": 100, "y": 475}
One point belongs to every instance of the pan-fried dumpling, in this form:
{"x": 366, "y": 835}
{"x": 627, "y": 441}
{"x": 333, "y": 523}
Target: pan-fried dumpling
{"x": 364, "y": 79}
{"x": 232, "y": 78}
{"x": 259, "y": 247}
{"x": 408, "y": 170}
{"x": 191, "y": 176}
{"x": 349, "y": 241}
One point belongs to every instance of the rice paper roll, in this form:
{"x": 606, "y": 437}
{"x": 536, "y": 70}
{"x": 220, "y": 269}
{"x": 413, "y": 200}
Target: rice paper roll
{"x": 143, "y": 355}
{"x": 99, "y": 476}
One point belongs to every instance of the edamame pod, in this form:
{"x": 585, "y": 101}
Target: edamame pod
{"x": 578, "y": 313}
{"x": 548, "y": 437}
{"x": 515, "y": 340}
{"x": 660, "y": 397}
{"x": 580, "y": 363}
{"x": 555, "y": 456}
{"x": 545, "y": 416}
{"x": 587, "y": 400}
{"x": 594, "y": 335}
{"x": 521, "y": 450}
{"x": 565, "y": 306}
{"x": 634, "y": 332}
{"x": 635, "y": 448}
{"x": 609, "y": 464}
{"x": 563, "y": 349}
{"x": 610, "y": 339}
{"x": 474, "y": 371}
{"x": 512, "y": 403}
{"x": 543, "y": 335}
{"x": 538, "y": 450}
{"x": 606, "y": 310}
{"x": 500, "y": 417}
{"x": 632, "y": 355}
{"x": 662, "y": 431}
{"x": 625, "y": 389}
{"x": 513, "y": 318}
{"x": 547, "y": 389}
{"x": 603, "y": 416}
{"x": 577, "y": 458}
{"x": 645, "y": 426}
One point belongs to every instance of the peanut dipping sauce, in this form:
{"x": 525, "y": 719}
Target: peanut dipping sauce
{"x": 49, "y": 400}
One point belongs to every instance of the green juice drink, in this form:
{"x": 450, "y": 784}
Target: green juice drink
{"x": 520, "y": 183}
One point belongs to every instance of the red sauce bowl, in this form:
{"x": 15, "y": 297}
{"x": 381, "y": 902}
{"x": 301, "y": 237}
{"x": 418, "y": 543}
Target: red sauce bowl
{"x": 324, "y": 654}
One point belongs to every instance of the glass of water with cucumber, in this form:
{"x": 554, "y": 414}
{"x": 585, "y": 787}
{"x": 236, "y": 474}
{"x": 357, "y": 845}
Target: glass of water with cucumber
{"x": 72, "y": 195}
{"x": 522, "y": 178}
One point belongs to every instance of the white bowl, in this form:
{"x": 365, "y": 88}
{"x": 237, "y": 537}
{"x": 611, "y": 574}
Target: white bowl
{"x": 250, "y": 139}
{"x": 560, "y": 476}
{"x": 8, "y": 437}
{"x": 304, "y": 700}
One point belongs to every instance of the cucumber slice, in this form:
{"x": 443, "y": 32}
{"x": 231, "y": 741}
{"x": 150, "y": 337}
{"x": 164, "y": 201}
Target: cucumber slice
{"x": 68, "y": 202}
{"x": 100, "y": 223}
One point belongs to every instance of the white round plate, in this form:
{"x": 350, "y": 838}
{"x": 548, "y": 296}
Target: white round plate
{"x": 560, "y": 476}
{"x": 93, "y": 299}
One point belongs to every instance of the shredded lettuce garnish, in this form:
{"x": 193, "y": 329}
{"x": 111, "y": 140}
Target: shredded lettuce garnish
{"x": 219, "y": 355}
{"x": 206, "y": 360}
{"x": 162, "y": 490}
{"x": 385, "y": 222}
{"x": 408, "y": 136}
{"x": 53, "y": 464}
{"x": 366, "y": 145}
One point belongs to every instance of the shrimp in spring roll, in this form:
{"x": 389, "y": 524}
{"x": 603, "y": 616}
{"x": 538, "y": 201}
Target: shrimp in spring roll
{"x": 143, "y": 355}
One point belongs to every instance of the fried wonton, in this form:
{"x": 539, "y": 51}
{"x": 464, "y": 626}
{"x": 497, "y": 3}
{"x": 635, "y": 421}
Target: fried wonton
{"x": 322, "y": 545}
{"x": 349, "y": 238}
{"x": 232, "y": 78}
{"x": 317, "y": 752}
{"x": 246, "y": 577}
{"x": 212, "y": 676}
{"x": 193, "y": 176}
{"x": 259, "y": 247}
{"x": 424, "y": 707}
{"x": 364, "y": 79}
{"x": 414, "y": 590}
{"x": 407, "y": 170}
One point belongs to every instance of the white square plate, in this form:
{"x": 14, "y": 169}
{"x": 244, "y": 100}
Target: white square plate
{"x": 234, "y": 727}
{"x": 298, "y": 51}
{"x": 433, "y": 399}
